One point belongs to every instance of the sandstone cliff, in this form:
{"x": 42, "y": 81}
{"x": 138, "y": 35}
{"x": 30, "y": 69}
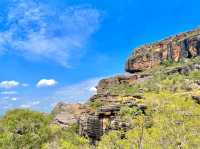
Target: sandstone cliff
{"x": 185, "y": 45}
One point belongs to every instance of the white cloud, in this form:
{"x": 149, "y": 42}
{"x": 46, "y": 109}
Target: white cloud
{"x": 74, "y": 93}
{"x": 30, "y": 104}
{"x": 37, "y": 31}
{"x": 25, "y": 106}
{"x": 24, "y": 84}
{"x": 35, "y": 103}
{"x": 10, "y": 98}
{"x": 14, "y": 98}
{"x": 9, "y": 84}
{"x": 93, "y": 89}
{"x": 8, "y": 93}
{"x": 77, "y": 92}
{"x": 46, "y": 83}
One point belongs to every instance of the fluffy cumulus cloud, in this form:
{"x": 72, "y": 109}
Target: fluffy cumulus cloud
{"x": 9, "y": 84}
{"x": 37, "y": 31}
{"x": 46, "y": 83}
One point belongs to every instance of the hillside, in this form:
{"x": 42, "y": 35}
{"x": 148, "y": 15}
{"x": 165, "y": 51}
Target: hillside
{"x": 154, "y": 105}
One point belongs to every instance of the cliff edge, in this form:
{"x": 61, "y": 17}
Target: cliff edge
{"x": 175, "y": 48}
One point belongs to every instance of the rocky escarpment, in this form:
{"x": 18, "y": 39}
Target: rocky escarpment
{"x": 185, "y": 45}
{"x": 102, "y": 112}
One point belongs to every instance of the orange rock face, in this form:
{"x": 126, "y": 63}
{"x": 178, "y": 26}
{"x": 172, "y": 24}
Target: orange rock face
{"x": 185, "y": 45}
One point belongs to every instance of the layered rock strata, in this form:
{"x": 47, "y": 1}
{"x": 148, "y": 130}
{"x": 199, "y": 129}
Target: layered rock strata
{"x": 185, "y": 45}
{"x": 105, "y": 119}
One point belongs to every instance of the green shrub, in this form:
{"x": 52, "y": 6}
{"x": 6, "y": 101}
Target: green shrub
{"x": 24, "y": 129}
{"x": 95, "y": 104}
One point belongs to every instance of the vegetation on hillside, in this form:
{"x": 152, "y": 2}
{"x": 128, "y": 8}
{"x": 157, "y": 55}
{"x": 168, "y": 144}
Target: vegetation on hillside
{"x": 172, "y": 119}
{"x": 25, "y": 129}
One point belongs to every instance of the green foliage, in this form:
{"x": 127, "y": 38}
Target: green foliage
{"x": 124, "y": 89}
{"x": 172, "y": 64}
{"x": 112, "y": 140}
{"x": 168, "y": 63}
{"x": 24, "y": 129}
{"x": 95, "y": 104}
{"x": 70, "y": 138}
{"x": 170, "y": 121}
{"x": 127, "y": 113}
{"x": 195, "y": 75}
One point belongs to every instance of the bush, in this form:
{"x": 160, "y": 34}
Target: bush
{"x": 24, "y": 129}
{"x": 95, "y": 104}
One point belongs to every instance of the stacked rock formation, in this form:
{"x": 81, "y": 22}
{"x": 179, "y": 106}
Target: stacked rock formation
{"x": 105, "y": 119}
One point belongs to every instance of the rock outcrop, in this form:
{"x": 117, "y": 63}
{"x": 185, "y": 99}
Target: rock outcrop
{"x": 185, "y": 45}
{"x": 105, "y": 119}
{"x": 184, "y": 69}
{"x": 68, "y": 114}
{"x": 196, "y": 99}
{"x": 127, "y": 79}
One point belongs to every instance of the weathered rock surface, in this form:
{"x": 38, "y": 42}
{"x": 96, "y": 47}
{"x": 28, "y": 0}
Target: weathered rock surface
{"x": 127, "y": 79}
{"x": 105, "y": 119}
{"x": 185, "y": 45}
{"x": 184, "y": 69}
{"x": 68, "y": 114}
{"x": 196, "y": 99}
{"x": 114, "y": 99}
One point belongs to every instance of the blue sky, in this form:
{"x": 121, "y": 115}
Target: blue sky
{"x": 53, "y": 51}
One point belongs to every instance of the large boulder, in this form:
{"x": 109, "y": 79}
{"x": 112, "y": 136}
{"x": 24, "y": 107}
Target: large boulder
{"x": 185, "y": 45}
